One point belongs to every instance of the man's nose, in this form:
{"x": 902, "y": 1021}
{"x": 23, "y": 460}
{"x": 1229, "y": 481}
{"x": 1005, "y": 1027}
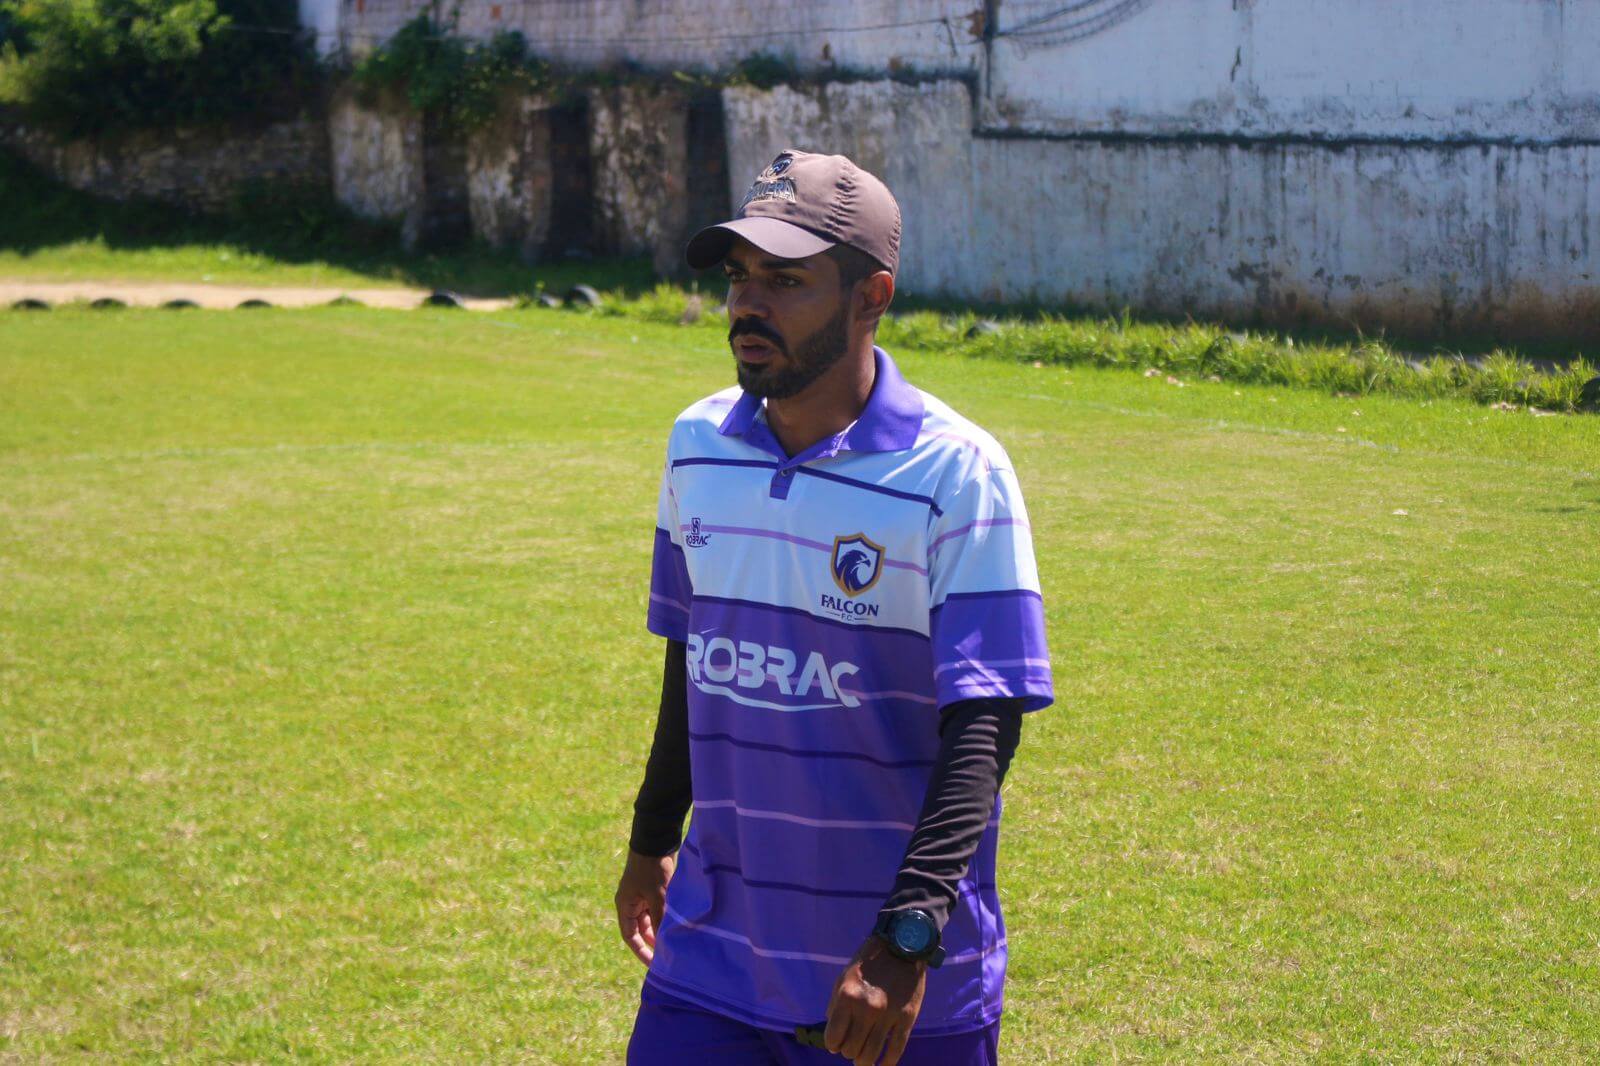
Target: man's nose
{"x": 746, "y": 301}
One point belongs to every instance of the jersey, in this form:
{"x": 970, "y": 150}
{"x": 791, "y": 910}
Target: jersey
{"x": 831, "y": 603}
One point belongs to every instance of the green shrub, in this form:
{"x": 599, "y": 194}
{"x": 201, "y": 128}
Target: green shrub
{"x": 442, "y": 73}
{"x": 85, "y": 67}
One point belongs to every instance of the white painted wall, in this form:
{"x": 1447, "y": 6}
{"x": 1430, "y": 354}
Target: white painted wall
{"x": 1422, "y": 239}
{"x": 708, "y": 34}
{"x": 1524, "y": 70}
{"x": 1439, "y": 69}
{"x": 321, "y": 17}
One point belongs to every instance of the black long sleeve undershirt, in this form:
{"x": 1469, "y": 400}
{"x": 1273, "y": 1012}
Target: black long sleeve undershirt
{"x": 666, "y": 795}
{"x": 977, "y": 739}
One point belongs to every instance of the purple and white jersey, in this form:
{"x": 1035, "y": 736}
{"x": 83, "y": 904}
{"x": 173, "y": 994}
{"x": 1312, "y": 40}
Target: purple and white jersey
{"x": 831, "y": 603}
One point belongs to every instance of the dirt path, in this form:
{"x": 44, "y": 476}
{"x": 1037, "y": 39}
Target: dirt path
{"x": 154, "y": 294}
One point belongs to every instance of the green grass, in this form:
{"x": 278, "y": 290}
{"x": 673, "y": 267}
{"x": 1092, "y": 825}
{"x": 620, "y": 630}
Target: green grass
{"x": 324, "y": 690}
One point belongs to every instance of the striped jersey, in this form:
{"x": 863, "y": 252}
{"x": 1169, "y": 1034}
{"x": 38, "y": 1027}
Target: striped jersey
{"x": 831, "y": 603}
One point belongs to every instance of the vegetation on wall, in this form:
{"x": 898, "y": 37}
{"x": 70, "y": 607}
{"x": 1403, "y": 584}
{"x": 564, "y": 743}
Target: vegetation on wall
{"x": 88, "y": 67}
{"x": 440, "y": 72}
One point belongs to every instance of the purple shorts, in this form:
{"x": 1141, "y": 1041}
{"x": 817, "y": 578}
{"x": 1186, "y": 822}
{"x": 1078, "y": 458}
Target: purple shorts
{"x": 670, "y": 1031}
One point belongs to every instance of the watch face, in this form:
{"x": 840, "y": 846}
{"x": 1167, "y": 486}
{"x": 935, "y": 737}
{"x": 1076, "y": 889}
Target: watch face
{"x": 911, "y": 935}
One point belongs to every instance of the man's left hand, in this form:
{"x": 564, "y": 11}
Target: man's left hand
{"x": 875, "y": 1003}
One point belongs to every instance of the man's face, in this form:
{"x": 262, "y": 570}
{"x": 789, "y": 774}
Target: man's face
{"x": 789, "y": 319}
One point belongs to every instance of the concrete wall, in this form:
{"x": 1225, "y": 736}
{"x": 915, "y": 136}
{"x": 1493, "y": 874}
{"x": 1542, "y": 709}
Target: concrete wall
{"x": 200, "y": 169}
{"x": 703, "y": 34}
{"x": 1418, "y": 165}
{"x": 638, "y": 138}
{"x": 1473, "y": 69}
{"x": 321, "y": 17}
{"x": 1420, "y": 239}
{"x": 918, "y": 139}
{"x": 378, "y": 159}
{"x": 1525, "y": 70}
{"x": 509, "y": 177}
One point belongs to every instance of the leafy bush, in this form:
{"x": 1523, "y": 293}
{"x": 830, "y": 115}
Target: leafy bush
{"x": 84, "y": 67}
{"x": 442, "y": 73}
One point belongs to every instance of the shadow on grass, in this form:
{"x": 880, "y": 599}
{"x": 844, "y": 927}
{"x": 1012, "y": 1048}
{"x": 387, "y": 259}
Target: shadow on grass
{"x": 293, "y": 226}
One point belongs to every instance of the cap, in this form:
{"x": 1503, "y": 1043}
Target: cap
{"x": 805, "y": 203}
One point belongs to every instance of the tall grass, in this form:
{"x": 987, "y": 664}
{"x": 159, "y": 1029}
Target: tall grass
{"x": 1194, "y": 350}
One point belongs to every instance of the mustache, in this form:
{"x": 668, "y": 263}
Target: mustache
{"x": 756, "y": 328}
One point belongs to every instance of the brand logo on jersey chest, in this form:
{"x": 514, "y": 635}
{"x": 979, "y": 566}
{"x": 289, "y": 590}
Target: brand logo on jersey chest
{"x": 857, "y": 563}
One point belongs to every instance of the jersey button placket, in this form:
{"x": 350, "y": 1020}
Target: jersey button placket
{"x": 781, "y": 482}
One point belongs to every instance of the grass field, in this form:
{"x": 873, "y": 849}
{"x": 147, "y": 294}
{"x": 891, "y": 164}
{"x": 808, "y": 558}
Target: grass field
{"x": 324, "y": 690}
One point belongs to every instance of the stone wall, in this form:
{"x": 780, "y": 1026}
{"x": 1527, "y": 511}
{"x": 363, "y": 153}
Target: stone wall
{"x": 201, "y": 169}
{"x": 521, "y": 180}
{"x": 638, "y": 137}
{"x": 377, "y": 164}
{"x": 510, "y": 177}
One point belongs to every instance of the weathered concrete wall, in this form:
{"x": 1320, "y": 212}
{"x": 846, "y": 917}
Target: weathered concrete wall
{"x": 917, "y": 138}
{"x": 819, "y": 35}
{"x": 509, "y": 176}
{"x": 321, "y": 17}
{"x": 203, "y": 169}
{"x": 1525, "y": 70}
{"x": 1423, "y": 240}
{"x": 378, "y": 160}
{"x": 1421, "y": 165}
{"x": 638, "y": 139}
{"x": 1513, "y": 69}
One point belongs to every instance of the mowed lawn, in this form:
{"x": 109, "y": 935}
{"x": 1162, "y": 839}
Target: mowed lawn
{"x": 324, "y": 690}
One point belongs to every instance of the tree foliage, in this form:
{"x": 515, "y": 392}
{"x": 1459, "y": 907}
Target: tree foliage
{"x": 86, "y": 67}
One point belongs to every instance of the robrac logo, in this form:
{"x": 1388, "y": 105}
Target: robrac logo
{"x": 751, "y": 669}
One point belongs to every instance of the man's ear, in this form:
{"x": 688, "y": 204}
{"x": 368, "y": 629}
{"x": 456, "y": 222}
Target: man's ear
{"x": 872, "y": 297}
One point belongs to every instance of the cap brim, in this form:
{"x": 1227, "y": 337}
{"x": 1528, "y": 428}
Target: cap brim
{"x": 772, "y": 235}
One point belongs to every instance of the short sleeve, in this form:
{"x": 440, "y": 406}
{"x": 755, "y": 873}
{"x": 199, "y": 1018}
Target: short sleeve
{"x": 670, "y": 591}
{"x": 987, "y": 620}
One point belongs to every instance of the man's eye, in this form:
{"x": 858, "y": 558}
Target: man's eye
{"x": 784, "y": 281}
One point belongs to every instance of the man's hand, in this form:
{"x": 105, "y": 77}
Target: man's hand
{"x": 641, "y": 897}
{"x": 875, "y": 1003}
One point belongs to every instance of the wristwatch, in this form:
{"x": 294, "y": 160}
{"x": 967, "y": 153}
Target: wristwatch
{"x": 911, "y": 935}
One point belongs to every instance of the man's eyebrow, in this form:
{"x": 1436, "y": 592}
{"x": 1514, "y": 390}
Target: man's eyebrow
{"x": 768, "y": 264}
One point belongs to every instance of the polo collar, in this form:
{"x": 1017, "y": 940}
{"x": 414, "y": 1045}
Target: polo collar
{"x": 889, "y": 423}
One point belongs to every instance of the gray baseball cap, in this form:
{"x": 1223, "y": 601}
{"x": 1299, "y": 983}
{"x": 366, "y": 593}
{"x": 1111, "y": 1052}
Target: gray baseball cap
{"x": 805, "y": 203}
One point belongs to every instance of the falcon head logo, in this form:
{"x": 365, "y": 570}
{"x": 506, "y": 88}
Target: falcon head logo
{"x": 857, "y": 563}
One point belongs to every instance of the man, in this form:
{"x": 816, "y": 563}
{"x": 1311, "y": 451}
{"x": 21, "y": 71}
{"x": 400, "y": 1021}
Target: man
{"x": 845, "y": 578}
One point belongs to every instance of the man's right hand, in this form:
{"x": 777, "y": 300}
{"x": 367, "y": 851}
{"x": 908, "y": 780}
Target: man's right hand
{"x": 641, "y": 897}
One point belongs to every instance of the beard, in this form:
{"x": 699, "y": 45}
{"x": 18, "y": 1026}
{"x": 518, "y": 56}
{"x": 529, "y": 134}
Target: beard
{"x": 809, "y": 361}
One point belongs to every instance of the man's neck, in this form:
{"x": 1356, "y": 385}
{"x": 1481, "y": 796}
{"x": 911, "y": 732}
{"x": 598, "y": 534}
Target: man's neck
{"x": 826, "y": 406}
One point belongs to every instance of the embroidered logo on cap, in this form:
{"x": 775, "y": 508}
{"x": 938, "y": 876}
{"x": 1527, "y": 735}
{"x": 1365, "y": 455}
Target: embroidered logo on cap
{"x": 780, "y": 189}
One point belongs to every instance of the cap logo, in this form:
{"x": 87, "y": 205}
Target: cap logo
{"x": 779, "y": 189}
{"x": 779, "y": 165}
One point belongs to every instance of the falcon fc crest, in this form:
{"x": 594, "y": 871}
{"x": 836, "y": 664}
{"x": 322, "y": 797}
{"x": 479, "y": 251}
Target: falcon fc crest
{"x": 857, "y": 563}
